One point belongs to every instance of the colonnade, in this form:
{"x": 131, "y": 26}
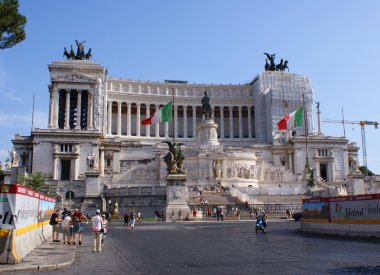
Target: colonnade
{"x": 81, "y": 113}
{"x": 124, "y": 119}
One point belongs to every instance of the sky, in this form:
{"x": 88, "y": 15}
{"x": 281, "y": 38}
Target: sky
{"x": 335, "y": 43}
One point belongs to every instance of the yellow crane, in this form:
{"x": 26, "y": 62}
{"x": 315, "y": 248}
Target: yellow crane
{"x": 362, "y": 123}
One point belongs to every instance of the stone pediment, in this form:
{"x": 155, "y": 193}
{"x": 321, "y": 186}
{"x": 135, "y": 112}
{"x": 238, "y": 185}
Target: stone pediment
{"x": 74, "y": 77}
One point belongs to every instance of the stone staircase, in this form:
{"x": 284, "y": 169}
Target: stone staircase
{"x": 219, "y": 198}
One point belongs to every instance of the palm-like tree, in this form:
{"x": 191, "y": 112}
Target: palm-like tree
{"x": 35, "y": 181}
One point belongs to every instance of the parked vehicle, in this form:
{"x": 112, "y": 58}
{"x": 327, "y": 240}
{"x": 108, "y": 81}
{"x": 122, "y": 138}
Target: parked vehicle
{"x": 260, "y": 225}
{"x": 297, "y": 216}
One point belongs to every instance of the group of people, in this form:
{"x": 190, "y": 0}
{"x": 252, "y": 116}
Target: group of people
{"x": 130, "y": 219}
{"x": 72, "y": 227}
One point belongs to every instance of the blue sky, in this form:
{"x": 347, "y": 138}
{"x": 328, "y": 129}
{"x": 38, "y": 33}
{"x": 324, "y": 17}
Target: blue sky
{"x": 335, "y": 43}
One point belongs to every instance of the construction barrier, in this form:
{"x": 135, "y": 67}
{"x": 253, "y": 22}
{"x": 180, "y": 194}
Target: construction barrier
{"x": 348, "y": 215}
{"x": 24, "y": 221}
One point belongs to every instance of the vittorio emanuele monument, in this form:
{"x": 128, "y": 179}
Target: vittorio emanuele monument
{"x": 106, "y": 141}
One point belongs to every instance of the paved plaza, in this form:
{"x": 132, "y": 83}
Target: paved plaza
{"x": 224, "y": 248}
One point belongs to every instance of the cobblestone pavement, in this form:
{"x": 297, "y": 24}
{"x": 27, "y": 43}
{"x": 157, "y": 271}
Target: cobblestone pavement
{"x": 224, "y": 248}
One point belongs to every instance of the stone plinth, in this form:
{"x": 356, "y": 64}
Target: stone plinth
{"x": 176, "y": 197}
{"x": 356, "y": 185}
{"x": 207, "y": 134}
{"x": 92, "y": 183}
{"x": 7, "y": 176}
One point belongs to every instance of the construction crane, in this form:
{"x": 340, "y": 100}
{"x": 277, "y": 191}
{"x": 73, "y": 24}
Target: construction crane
{"x": 362, "y": 123}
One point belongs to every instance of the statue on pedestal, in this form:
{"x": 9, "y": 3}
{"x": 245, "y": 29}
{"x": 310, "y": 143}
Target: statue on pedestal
{"x": 207, "y": 108}
{"x": 174, "y": 158}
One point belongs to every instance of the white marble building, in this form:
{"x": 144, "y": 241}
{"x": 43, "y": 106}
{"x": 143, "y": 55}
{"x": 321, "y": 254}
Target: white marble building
{"x": 94, "y": 139}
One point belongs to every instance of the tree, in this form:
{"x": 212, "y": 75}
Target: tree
{"x": 363, "y": 169}
{"x": 35, "y": 181}
{"x": 12, "y": 24}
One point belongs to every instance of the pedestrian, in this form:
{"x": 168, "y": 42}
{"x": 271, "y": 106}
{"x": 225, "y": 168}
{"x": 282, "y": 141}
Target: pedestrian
{"x": 221, "y": 214}
{"x": 126, "y": 219}
{"x": 194, "y": 213}
{"x": 133, "y": 219}
{"x": 54, "y": 219}
{"x": 157, "y": 215}
{"x": 180, "y": 215}
{"x": 105, "y": 228}
{"x": 138, "y": 216}
{"x": 78, "y": 226}
{"x": 66, "y": 222}
{"x": 173, "y": 216}
{"x": 96, "y": 231}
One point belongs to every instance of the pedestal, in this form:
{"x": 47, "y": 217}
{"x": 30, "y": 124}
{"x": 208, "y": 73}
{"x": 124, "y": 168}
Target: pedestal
{"x": 355, "y": 185}
{"x": 92, "y": 184}
{"x": 207, "y": 134}
{"x": 7, "y": 177}
{"x": 176, "y": 197}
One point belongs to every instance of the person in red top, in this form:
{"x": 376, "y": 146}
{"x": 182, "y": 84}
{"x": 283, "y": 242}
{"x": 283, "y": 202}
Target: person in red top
{"x": 78, "y": 227}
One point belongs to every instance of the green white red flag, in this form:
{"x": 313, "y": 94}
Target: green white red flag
{"x": 292, "y": 120}
{"x": 162, "y": 115}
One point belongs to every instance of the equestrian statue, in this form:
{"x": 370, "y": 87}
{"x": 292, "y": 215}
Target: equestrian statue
{"x": 207, "y": 108}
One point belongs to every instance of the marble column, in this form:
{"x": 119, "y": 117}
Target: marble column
{"x": 249, "y": 122}
{"x": 166, "y": 129}
{"x": 56, "y": 108}
{"x": 290, "y": 161}
{"x": 138, "y": 119}
{"x": 147, "y": 131}
{"x": 184, "y": 121}
{"x": 109, "y": 118}
{"x": 119, "y": 118}
{"x": 240, "y": 121}
{"x": 90, "y": 112}
{"x": 231, "y": 122}
{"x": 51, "y": 106}
{"x": 129, "y": 105}
{"x": 175, "y": 121}
{"x": 55, "y": 168}
{"x": 194, "y": 121}
{"x": 221, "y": 121}
{"x": 79, "y": 110}
{"x": 102, "y": 162}
{"x": 157, "y": 125}
{"x": 67, "y": 111}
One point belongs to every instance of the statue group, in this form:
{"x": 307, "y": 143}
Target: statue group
{"x": 271, "y": 66}
{"x": 174, "y": 158}
{"x": 80, "y": 55}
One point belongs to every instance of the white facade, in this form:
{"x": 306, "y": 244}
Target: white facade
{"x": 93, "y": 114}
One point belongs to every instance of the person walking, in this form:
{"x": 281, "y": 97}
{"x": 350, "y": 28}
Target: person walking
{"x": 173, "y": 219}
{"x": 54, "y": 219}
{"x": 127, "y": 219}
{"x": 96, "y": 228}
{"x": 133, "y": 219}
{"x": 78, "y": 226}
{"x": 105, "y": 228}
{"x": 66, "y": 222}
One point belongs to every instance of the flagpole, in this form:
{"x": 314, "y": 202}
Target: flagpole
{"x": 173, "y": 120}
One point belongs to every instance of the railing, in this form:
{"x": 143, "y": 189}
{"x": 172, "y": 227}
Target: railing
{"x": 246, "y": 210}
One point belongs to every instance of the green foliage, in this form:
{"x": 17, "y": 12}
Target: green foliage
{"x": 12, "y": 24}
{"x": 363, "y": 169}
{"x": 35, "y": 181}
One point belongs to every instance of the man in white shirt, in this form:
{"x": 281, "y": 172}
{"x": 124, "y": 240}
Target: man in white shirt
{"x": 96, "y": 227}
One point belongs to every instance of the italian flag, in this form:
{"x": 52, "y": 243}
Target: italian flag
{"x": 292, "y": 120}
{"x": 162, "y": 115}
